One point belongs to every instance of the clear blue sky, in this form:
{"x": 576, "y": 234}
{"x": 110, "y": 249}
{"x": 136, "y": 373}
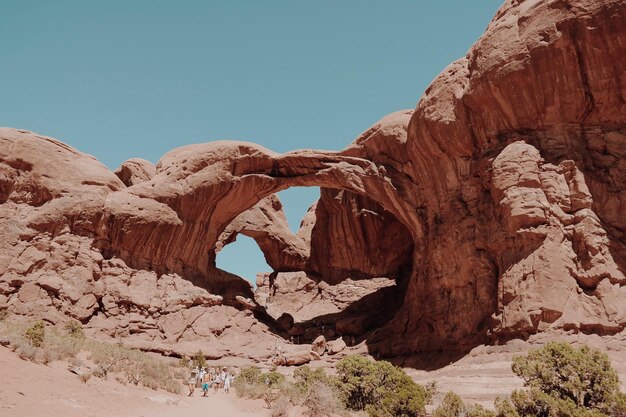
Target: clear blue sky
{"x": 121, "y": 79}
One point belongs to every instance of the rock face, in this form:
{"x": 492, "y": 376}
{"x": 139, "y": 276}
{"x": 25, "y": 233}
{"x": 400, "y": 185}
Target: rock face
{"x": 306, "y": 309}
{"x": 361, "y": 234}
{"x": 498, "y": 206}
{"x": 135, "y": 171}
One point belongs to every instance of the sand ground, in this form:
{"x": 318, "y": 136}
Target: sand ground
{"x": 29, "y": 389}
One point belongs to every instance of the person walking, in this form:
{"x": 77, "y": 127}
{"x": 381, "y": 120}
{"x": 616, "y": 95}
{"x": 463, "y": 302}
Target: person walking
{"x": 216, "y": 382}
{"x": 206, "y": 382}
{"x": 227, "y": 381}
{"x": 191, "y": 382}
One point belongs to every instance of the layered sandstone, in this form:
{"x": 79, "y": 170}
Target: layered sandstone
{"x": 498, "y": 206}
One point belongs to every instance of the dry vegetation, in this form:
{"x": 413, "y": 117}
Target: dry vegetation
{"x": 560, "y": 380}
{"x": 88, "y": 358}
{"x": 374, "y": 388}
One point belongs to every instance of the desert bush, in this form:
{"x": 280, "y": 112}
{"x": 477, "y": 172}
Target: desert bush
{"x": 249, "y": 374}
{"x": 273, "y": 378}
{"x": 183, "y": 362}
{"x": 564, "y": 381}
{"x": 451, "y": 406}
{"x": 99, "y": 373}
{"x": 250, "y": 383}
{"x": 171, "y": 385}
{"x": 304, "y": 376}
{"x": 379, "y": 388}
{"x": 137, "y": 367}
{"x": 253, "y": 383}
{"x": 281, "y": 407}
{"x": 36, "y": 334}
{"x": 74, "y": 329}
{"x": 150, "y": 373}
{"x": 134, "y": 365}
{"x": 108, "y": 356}
{"x": 180, "y": 374}
{"x": 4, "y": 313}
{"x": 60, "y": 346}
{"x": 322, "y": 400}
{"x": 45, "y": 356}
{"x": 199, "y": 360}
{"x": 477, "y": 410}
{"x": 26, "y": 351}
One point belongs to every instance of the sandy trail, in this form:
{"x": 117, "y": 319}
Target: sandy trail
{"x": 29, "y": 389}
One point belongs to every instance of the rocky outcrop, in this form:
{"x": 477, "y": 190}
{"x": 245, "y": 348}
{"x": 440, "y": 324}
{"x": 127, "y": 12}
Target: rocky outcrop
{"x": 497, "y": 206}
{"x": 135, "y": 171}
{"x": 568, "y": 96}
{"x": 305, "y": 308}
{"x": 571, "y": 273}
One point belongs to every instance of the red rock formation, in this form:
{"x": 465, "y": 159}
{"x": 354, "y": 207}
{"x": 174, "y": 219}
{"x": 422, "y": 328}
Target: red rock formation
{"x": 135, "y": 171}
{"x": 507, "y": 184}
{"x": 267, "y": 225}
{"x": 352, "y": 238}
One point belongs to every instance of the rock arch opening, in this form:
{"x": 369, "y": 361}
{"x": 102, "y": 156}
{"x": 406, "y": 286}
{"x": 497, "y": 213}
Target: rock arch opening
{"x": 343, "y": 273}
{"x": 242, "y": 257}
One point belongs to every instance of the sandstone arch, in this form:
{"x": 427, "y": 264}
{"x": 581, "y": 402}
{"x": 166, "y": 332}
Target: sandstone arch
{"x": 508, "y": 176}
{"x": 230, "y": 178}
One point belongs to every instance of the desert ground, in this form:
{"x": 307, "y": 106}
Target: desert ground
{"x": 33, "y": 389}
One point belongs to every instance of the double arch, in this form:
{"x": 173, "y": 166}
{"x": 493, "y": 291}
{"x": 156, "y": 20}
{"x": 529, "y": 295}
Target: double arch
{"x": 203, "y": 188}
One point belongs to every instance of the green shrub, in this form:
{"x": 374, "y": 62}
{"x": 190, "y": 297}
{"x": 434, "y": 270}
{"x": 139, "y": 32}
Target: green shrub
{"x": 249, "y": 374}
{"x": 584, "y": 375}
{"x": 451, "y": 406}
{"x": 379, "y": 388}
{"x": 477, "y": 410}
{"x": 199, "y": 360}
{"x": 273, "y": 378}
{"x": 564, "y": 381}
{"x": 618, "y": 408}
{"x": 36, "y": 334}
{"x": 74, "y": 329}
{"x": 249, "y": 383}
{"x": 504, "y": 408}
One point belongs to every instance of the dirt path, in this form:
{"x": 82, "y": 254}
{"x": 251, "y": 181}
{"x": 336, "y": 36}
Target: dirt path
{"x": 29, "y": 389}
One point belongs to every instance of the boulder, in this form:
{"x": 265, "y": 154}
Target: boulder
{"x": 336, "y": 346}
{"x": 319, "y": 345}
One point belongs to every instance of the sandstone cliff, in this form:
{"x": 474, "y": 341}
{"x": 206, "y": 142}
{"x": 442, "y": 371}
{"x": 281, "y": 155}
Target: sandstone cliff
{"x": 498, "y": 207}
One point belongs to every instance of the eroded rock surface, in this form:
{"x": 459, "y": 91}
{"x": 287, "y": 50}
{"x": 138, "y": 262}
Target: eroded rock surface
{"x": 498, "y": 206}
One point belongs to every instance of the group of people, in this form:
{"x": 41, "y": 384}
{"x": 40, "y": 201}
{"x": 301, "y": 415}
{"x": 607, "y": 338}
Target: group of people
{"x": 205, "y": 378}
